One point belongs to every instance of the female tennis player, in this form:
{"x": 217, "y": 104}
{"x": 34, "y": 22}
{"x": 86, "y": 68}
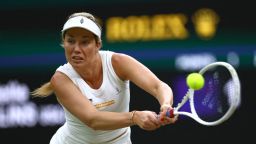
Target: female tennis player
{"x": 93, "y": 88}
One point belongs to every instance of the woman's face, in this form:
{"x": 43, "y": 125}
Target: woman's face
{"x": 80, "y": 46}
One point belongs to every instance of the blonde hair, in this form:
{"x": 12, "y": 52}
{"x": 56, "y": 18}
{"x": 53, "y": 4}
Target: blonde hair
{"x": 43, "y": 91}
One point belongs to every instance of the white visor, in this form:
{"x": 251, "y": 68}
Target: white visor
{"x": 82, "y": 22}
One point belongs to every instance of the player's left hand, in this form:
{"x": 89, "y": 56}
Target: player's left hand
{"x": 164, "y": 120}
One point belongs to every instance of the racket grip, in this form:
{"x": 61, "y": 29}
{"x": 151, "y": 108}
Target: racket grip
{"x": 170, "y": 113}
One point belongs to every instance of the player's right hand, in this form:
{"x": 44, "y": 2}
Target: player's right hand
{"x": 146, "y": 120}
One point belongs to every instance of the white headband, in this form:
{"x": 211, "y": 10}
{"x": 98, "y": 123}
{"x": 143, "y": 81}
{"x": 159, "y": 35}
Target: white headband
{"x": 82, "y": 22}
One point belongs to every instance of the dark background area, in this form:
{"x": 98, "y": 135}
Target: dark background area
{"x": 30, "y": 30}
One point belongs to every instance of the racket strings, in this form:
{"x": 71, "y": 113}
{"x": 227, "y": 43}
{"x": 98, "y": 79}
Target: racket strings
{"x": 214, "y": 100}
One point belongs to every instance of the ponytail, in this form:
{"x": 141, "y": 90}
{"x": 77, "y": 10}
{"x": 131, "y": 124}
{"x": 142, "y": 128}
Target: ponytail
{"x": 43, "y": 91}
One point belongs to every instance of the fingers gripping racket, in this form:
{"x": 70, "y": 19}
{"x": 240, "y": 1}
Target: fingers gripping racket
{"x": 217, "y": 100}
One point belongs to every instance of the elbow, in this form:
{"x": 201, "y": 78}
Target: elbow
{"x": 159, "y": 86}
{"x": 162, "y": 87}
{"x": 167, "y": 87}
{"x": 94, "y": 127}
{"x": 92, "y": 122}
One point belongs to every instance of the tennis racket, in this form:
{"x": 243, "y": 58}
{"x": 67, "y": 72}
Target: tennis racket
{"x": 217, "y": 100}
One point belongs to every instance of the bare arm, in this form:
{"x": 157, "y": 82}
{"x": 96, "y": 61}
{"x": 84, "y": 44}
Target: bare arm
{"x": 74, "y": 101}
{"x": 127, "y": 68}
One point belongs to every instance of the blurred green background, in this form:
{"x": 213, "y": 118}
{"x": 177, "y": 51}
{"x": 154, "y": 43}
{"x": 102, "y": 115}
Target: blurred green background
{"x": 31, "y": 52}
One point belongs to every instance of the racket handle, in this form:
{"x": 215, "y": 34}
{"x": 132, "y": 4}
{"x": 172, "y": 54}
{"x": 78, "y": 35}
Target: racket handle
{"x": 170, "y": 113}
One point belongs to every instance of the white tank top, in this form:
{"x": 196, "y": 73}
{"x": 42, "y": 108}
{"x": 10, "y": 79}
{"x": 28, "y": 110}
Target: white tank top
{"x": 113, "y": 95}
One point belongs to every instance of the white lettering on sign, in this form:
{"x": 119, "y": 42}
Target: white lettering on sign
{"x": 16, "y": 110}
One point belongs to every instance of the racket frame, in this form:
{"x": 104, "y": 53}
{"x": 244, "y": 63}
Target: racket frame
{"x": 190, "y": 96}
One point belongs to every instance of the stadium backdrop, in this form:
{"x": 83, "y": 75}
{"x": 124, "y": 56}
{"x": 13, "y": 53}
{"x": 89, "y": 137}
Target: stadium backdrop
{"x": 172, "y": 38}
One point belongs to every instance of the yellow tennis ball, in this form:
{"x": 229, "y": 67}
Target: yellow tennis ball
{"x": 195, "y": 81}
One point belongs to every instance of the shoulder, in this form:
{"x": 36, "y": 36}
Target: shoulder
{"x": 115, "y": 56}
{"x": 59, "y": 79}
{"x": 119, "y": 58}
{"x": 121, "y": 64}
